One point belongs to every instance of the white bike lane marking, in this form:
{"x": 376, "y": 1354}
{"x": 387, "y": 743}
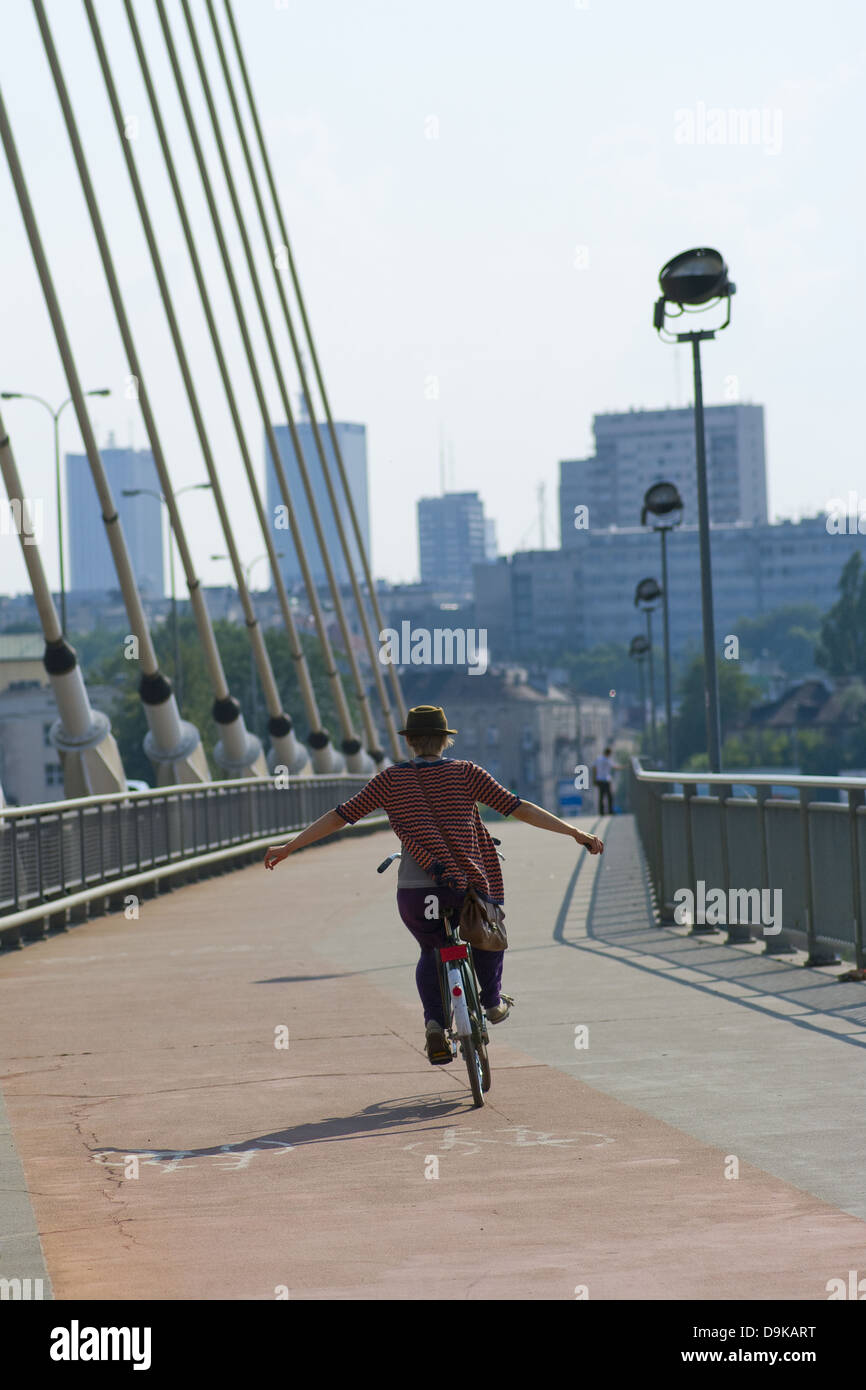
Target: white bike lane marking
{"x": 170, "y": 1160}
{"x": 453, "y": 1141}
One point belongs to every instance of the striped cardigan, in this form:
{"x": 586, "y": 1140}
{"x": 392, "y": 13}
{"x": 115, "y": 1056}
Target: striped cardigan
{"x": 454, "y": 786}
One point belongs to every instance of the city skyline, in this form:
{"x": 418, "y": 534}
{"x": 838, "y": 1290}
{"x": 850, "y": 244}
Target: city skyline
{"x": 538, "y": 314}
{"x": 559, "y": 537}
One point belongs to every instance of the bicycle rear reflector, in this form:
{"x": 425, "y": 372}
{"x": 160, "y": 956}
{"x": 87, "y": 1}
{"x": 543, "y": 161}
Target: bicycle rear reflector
{"x": 452, "y": 952}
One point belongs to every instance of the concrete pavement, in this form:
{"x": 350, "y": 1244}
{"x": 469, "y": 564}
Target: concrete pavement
{"x": 174, "y": 1148}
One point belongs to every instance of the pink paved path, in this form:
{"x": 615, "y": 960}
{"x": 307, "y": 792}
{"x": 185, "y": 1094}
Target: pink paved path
{"x": 158, "y": 1035}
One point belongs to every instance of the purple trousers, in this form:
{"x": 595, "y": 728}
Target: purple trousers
{"x": 430, "y": 934}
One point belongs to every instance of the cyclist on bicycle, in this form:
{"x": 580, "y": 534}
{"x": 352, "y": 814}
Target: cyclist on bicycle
{"x": 430, "y": 882}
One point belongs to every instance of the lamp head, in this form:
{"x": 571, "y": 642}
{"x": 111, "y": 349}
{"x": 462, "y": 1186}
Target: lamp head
{"x": 661, "y": 500}
{"x": 695, "y": 277}
{"x": 647, "y": 592}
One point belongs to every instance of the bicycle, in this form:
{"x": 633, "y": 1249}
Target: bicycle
{"x": 466, "y": 1024}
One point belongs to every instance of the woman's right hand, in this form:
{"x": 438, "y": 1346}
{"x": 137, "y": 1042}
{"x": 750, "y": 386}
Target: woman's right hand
{"x": 275, "y": 854}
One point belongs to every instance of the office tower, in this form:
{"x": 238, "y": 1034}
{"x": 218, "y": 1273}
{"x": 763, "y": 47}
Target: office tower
{"x": 353, "y": 448}
{"x": 636, "y": 448}
{"x": 452, "y": 537}
{"x": 91, "y": 567}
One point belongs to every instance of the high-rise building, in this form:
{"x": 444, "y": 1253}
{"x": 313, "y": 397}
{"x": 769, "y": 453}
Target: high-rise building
{"x": 452, "y": 537}
{"x": 91, "y": 567}
{"x": 353, "y": 448}
{"x": 636, "y": 448}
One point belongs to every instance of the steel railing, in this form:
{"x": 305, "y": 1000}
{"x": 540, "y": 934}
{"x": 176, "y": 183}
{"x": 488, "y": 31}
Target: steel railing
{"x": 781, "y": 833}
{"x": 70, "y": 854}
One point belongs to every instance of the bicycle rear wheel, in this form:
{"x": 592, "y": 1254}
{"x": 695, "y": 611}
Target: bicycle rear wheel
{"x": 481, "y": 1050}
{"x": 474, "y": 1047}
{"x": 476, "y": 1016}
{"x": 469, "y": 1048}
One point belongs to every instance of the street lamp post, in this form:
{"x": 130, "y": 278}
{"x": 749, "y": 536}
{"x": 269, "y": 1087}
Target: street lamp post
{"x": 55, "y": 416}
{"x": 699, "y": 278}
{"x": 663, "y": 501}
{"x": 247, "y": 569}
{"x": 646, "y": 596}
{"x": 150, "y": 492}
{"x": 637, "y": 651}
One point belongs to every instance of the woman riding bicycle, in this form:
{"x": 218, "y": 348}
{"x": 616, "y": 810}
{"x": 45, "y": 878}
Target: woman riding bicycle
{"x": 430, "y": 881}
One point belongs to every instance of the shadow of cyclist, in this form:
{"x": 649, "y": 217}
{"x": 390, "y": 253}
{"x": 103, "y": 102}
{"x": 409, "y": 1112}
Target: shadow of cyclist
{"x": 407, "y": 1115}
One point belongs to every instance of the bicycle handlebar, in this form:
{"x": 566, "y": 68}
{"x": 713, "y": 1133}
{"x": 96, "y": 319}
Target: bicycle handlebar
{"x": 386, "y": 863}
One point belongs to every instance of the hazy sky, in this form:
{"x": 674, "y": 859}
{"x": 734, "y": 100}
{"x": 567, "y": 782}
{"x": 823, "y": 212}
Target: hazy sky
{"x": 480, "y": 195}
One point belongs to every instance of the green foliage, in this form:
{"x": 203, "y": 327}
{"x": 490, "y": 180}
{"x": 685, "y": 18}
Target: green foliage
{"x": 737, "y": 695}
{"x": 600, "y": 669}
{"x": 697, "y": 762}
{"x": 787, "y": 636}
{"x": 736, "y": 753}
{"x": 103, "y": 662}
{"x": 841, "y": 649}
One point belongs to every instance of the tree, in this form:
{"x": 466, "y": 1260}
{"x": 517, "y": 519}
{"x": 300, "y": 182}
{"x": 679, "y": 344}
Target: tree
{"x": 788, "y": 635}
{"x": 600, "y": 669}
{"x": 737, "y": 695}
{"x": 841, "y": 649}
{"x": 106, "y": 665}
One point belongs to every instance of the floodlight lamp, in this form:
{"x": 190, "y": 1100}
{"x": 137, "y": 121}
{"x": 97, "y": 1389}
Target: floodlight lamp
{"x": 695, "y": 277}
{"x": 661, "y": 500}
{"x": 647, "y": 592}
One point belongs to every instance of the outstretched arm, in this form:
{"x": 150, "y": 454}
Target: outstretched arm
{"x": 536, "y": 815}
{"x": 325, "y": 825}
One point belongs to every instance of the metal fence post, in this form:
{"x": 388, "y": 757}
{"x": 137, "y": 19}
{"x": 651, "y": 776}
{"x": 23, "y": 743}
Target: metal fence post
{"x": 658, "y": 843}
{"x": 689, "y": 792}
{"x": 40, "y": 891}
{"x": 780, "y": 945}
{"x": 816, "y": 956}
{"x": 737, "y": 933}
{"x": 15, "y": 886}
{"x": 855, "y": 799}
